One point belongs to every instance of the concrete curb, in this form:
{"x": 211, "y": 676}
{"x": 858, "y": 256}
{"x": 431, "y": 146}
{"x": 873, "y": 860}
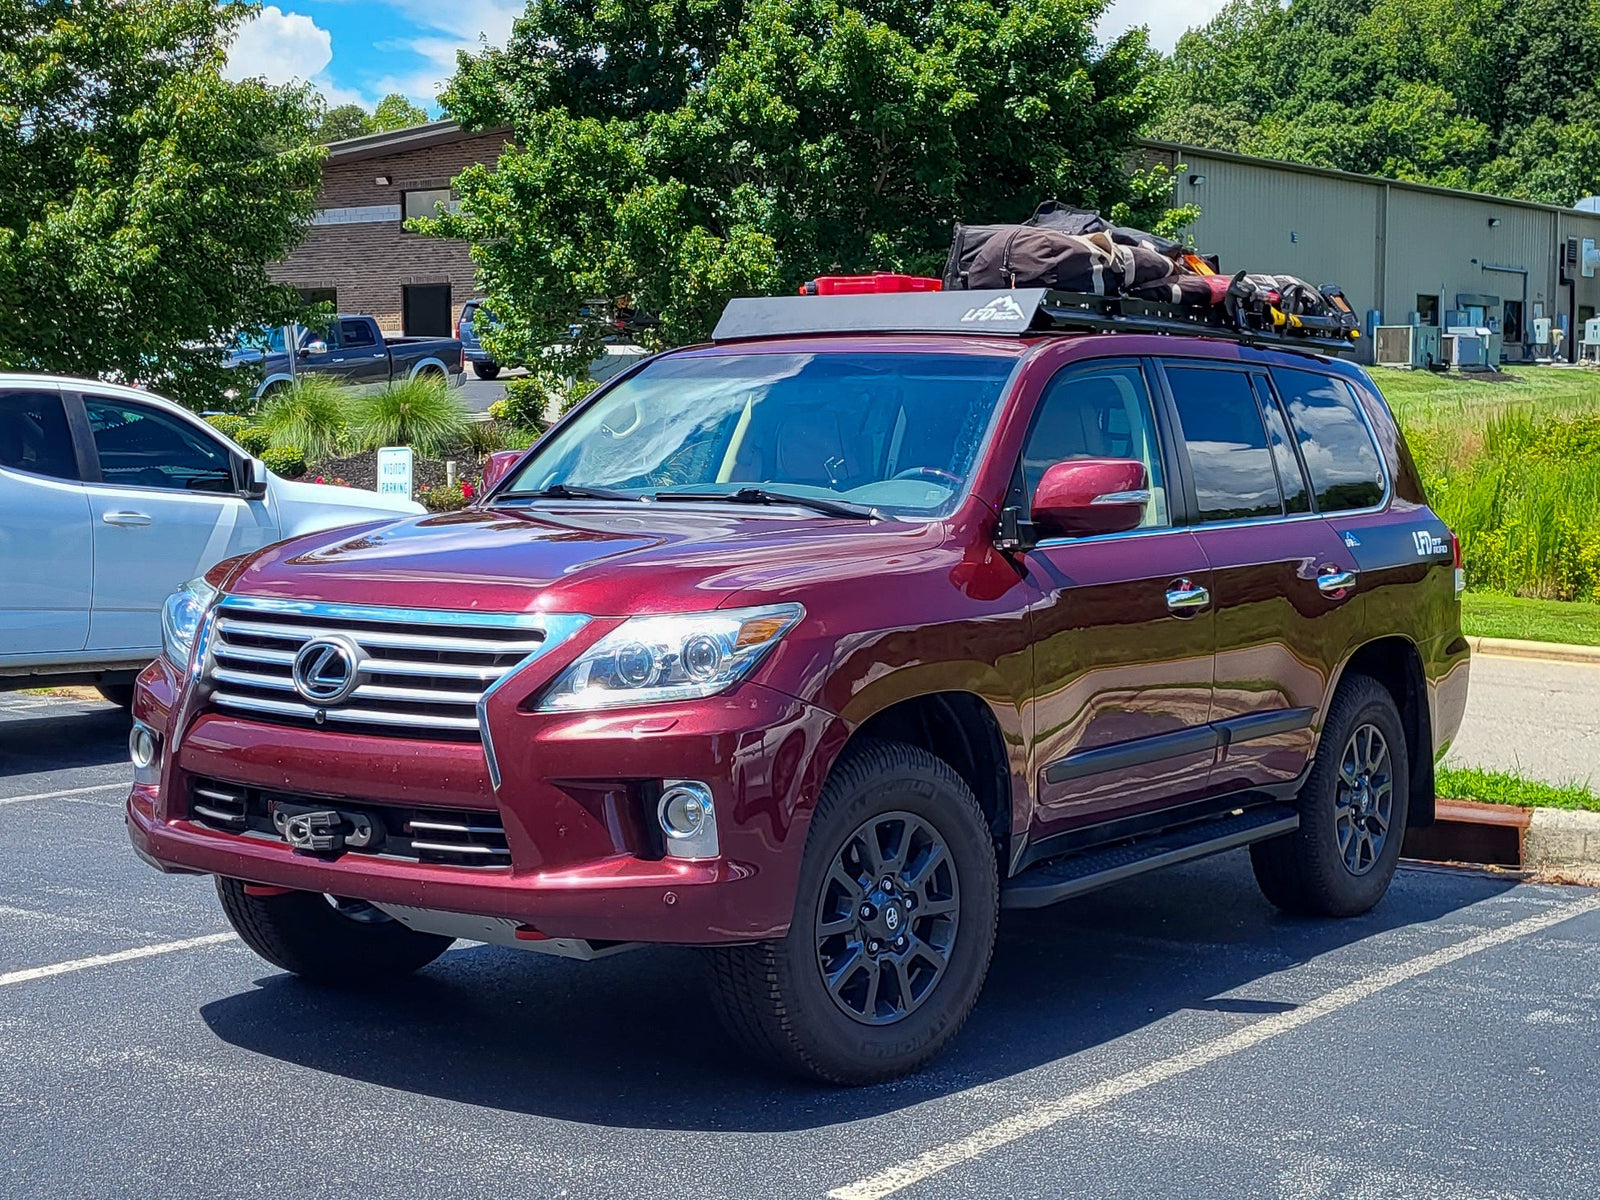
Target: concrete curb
{"x": 1557, "y": 845}
{"x": 1563, "y": 842}
{"x": 1545, "y": 651}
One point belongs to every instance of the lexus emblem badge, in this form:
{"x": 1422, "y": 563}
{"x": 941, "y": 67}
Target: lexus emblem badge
{"x": 326, "y": 670}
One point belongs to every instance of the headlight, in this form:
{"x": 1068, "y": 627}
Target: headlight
{"x": 180, "y": 618}
{"x": 646, "y": 660}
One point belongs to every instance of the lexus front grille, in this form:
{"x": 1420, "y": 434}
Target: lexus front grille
{"x": 418, "y": 673}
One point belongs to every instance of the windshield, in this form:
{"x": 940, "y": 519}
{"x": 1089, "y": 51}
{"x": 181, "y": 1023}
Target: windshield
{"x": 898, "y": 432}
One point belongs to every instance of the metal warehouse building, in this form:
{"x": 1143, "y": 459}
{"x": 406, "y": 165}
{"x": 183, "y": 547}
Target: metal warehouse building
{"x": 1397, "y": 248}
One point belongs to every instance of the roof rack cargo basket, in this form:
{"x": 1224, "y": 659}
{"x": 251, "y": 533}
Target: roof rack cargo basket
{"x": 1018, "y": 311}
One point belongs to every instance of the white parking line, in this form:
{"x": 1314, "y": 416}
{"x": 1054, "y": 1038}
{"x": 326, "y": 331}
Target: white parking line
{"x": 1053, "y": 1112}
{"x": 121, "y": 956}
{"x": 77, "y": 791}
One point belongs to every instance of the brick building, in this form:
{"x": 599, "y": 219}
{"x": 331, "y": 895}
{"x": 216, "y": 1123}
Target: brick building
{"x": 358, "y": 256}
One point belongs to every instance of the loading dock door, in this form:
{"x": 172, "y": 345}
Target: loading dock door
{"x": 426, "y": 310}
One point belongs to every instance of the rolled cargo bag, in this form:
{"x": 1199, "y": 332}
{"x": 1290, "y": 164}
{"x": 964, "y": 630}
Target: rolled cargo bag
{"x": 1036, "y": 256}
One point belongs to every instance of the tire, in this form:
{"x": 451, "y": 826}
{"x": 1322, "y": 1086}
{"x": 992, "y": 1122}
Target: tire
{"x": 120, "y": 694}
{"x": 305, "y": 934}
{"x": 1338, "y": 863}
{"x": 773, "y": 996}
{"x": 486, "y": 370}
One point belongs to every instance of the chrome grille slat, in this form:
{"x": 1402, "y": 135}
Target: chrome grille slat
{"x": 424, "y": 672}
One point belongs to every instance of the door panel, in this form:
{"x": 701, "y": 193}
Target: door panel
{"x": 164, "y": 512}
{"x": 46, "y": 554}
{"x": 1280, "y": 629}
{"x": 1122, "y": 670}
{"x": 366, "y": 358}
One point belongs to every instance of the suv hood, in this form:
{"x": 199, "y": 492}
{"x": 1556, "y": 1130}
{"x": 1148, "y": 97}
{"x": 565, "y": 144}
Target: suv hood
{"x": 595, "y": 558}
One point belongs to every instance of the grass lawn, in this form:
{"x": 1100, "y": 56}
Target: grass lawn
{"x": 1487, "y": 614}
{"x": 1502, "y": 787}
{"x": 1421, "y": 398}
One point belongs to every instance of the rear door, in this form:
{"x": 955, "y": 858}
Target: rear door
{"x": 1282, "y": 581}
{"x": 165, "y": 507}
{"x": 46, "y": 553}
{"x": 1123, "y": 632}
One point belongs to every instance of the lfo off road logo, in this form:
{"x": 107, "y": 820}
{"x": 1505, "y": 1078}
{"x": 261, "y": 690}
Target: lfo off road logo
{"x": 1001, "y": 308}
{"x": 1428, "y": 543}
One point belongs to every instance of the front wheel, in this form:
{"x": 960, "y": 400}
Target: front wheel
{"x": 893, "y": 927}
{"x": 1353, "y": 812}
{"x": 326, "y": 939}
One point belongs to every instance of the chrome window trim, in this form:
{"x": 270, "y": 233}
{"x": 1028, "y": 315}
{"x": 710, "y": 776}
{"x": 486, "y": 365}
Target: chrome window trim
{"x": 556, "y": 627}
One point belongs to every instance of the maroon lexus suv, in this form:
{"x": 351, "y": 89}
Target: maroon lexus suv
{"x": 818, "y": 645}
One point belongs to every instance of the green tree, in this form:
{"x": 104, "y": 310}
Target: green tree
{"x": 677, "y": 153}
{"x": 1494, "y": 94}
{"x": 142, "y": 196}
{"x": 394, "y": 111}
{"x": 344, "y": 121}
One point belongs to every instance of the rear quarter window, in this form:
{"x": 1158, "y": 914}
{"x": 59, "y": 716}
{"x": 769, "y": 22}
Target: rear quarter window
{"x": 1335, "y": 443}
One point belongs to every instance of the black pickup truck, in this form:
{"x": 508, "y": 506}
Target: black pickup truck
{"x": 353, "y": 350}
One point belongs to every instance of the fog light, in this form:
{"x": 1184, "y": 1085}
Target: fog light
{"x": 688, "y": 819}
{"x": 144, "y": 748}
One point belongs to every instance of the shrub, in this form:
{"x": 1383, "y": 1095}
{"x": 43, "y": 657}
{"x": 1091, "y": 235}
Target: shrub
{"x": 254, "y": 440}
{"x": 287, "y": 461}
{"x": 445, "y": 498}
{"x": 312, "y": 414}
{"x": 530, "y": 401}
{"x": 420, "y": 413}
{"x": 227, "y": 424}
{"x": 485, "y": 437}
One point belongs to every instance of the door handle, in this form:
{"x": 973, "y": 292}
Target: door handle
{"x": 125, "y": 518}
{"x": 1334, "y": 580}
{"x": 1185, "y": 598}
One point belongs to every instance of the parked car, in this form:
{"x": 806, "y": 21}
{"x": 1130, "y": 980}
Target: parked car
{"x": 473, "y": 314}
{"x": 111, "y": 497}
{"x": 816, "y": 647}
{"x": 353, "y": 350}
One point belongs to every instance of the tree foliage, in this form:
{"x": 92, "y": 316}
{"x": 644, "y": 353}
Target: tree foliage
{"x": 393, "y": 112}
{"x": 1493, "y": 94}
{"x": 142, "y": 196}
{"x": 684, "y": 151}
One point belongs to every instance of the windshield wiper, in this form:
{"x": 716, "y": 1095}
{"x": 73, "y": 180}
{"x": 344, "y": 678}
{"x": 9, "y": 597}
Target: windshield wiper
{"x": 755, "y": 495}
{"x": 571, "y": 491}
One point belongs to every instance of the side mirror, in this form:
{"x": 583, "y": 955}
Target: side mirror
{"x": 255, "y": 477}
{"x": 499, "y": 465}
{"x": 1086, "y": 496}
{"x": 314, "y": 346}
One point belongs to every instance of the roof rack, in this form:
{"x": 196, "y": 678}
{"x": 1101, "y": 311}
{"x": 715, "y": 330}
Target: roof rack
{"x": 1015, "y": 312}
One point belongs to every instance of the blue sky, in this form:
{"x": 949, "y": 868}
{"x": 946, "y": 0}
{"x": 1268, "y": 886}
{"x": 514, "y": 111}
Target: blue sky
{"x": 361, "y": 50}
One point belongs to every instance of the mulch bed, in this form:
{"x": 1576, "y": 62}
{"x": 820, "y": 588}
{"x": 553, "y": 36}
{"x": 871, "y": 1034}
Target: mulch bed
{"x": 361, "y": 470}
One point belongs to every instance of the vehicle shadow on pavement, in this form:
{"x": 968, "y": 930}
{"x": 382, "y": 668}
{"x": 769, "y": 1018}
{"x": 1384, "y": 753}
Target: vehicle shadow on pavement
{"x": 631, "y": 1041}
{"x": 58, "y": 740}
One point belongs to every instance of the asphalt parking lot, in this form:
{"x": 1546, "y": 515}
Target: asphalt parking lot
{"x": 1171, "y": 1037}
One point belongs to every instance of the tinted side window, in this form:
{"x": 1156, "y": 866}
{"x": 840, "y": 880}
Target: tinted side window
{"x": 1103, "y": 412}
{"x": 34, "y": 436}
{"x": 356, "y": 333}
{"x": 1290, "y": 478}
{"x": 1340, "y": 458}
{"x": 1233, "y": 474}
{"x": 142, "y": 447}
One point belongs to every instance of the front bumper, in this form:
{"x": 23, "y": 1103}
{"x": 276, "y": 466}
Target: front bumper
{"x": 577, "y": 869}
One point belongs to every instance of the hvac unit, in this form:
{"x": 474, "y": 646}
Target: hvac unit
{"x": 1463, "y": 351}
{"x": 1541, "y": 331}
{"x": 1406, "y": 345}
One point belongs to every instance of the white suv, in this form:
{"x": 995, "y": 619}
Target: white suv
{"x": 110, "y": 499}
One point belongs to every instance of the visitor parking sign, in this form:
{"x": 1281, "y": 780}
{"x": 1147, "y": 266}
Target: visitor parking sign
{"x": 394, "y": 471}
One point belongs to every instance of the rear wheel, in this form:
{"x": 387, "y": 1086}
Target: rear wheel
{"x": 324, "y": 938}
{"x": 486, "y": 370}
{"x": 892, "y": 932}
{"x": 1353, "y": 812}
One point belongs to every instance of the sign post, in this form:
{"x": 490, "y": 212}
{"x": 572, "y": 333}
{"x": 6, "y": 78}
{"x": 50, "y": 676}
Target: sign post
{"x": 394, "y": 471}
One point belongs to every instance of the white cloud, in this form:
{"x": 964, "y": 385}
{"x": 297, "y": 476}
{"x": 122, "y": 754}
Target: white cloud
{"x": 1166, "y": 19}
{"x": 463, "y": 25}
{"x": 279, "y": 47}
